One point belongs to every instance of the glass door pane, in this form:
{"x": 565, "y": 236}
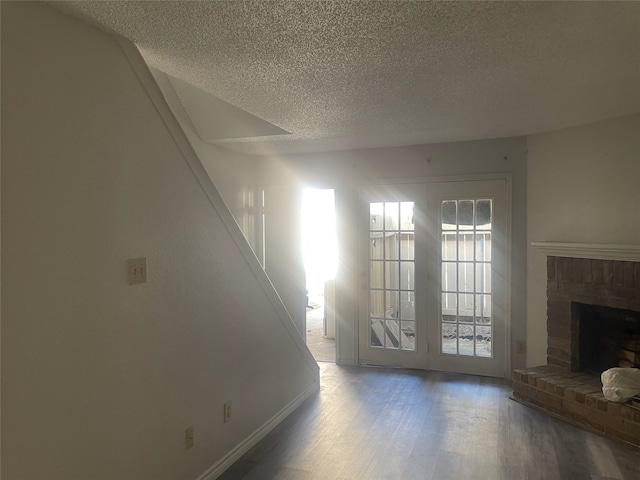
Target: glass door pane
{"x": 392, "y": 276}
{"x": 466, "y": 321}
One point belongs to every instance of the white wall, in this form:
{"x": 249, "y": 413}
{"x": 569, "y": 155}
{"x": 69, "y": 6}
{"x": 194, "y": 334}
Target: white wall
{"x": 233, "y": 173}
{"x": 583, "y": 187}
{"x": 283, "y": 259}
{"x": 99, "y": 378}
{"x": 344, "y": 171}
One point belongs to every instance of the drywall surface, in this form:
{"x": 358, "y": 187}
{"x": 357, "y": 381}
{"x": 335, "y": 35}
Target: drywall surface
{"x": 283, "y": 259}
{"x": 100, "y": 378}
{"x": 346, "y": 171}
{"x": 236, "y": 177}
{"x": 233, "y": 173}
{"x": 583, "y": 187}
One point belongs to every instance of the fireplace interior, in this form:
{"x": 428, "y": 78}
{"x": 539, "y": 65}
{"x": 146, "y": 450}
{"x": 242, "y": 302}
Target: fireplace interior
{"x": 608, "y": 337}
{"x": 593, "y": 324}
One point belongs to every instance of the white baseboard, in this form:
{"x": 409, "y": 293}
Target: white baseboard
{"x": 243, "y": 447}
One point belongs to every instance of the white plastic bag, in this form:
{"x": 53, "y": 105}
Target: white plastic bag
{"x": 620, "y": 384}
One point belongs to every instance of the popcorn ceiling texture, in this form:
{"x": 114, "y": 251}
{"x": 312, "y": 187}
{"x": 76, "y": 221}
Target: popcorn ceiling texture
{"x": 346, "y": 74}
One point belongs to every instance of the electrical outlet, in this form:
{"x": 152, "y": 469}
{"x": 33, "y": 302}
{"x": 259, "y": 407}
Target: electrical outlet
{"x": 189, "y": 437}
{"x": 137, "y": 270}
{"x": 521, "y": 346}
{"x": 227, "y": 412}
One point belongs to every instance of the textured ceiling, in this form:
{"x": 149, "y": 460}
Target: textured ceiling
{"x": 345, "y": 74}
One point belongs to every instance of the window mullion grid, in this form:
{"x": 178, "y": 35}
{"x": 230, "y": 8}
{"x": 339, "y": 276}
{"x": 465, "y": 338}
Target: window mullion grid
{"x": 384, "y": 275}
{"x": 475, "y": 272}
{"x": 398, "y": 301}
{"x": 457, "y": 278}
{"x": 384, "y": 286}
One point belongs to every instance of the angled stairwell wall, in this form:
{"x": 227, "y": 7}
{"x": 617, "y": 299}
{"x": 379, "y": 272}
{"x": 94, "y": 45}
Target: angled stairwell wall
{"x": 100, "y": 378}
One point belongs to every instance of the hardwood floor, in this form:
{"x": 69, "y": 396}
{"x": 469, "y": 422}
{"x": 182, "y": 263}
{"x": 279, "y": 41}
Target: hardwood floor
{"x": 369, "y": 423}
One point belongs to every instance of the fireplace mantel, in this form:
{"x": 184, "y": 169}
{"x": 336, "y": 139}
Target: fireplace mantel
{"x": 597, "y": 251}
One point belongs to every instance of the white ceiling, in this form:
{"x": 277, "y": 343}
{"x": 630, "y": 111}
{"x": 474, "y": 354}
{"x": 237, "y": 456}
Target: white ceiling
{"x": 354, "y": 74}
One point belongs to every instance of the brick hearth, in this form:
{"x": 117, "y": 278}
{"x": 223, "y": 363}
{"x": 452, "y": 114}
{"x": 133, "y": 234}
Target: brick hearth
{"x": 559, "y": 387}
{"x": 578, "y": 398}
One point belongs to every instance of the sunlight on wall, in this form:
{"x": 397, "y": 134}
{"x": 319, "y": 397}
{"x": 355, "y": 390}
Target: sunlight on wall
{"x": 319, "y": 237}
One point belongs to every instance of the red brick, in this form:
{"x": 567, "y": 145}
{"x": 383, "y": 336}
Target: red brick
{"x": 621, "y": 435}
{"x": 607, "y": 420}
{"x": 558, "y": 330}
{"x": 552, "y": 388}
{"x": 540, "y": 383}
{"x": 607, "y": 272}
{"x": 578, "y": 267}
{"x": 632, "y": 429}
{"x": 596, "y": 270}
{"x": 551, "y": 268}
{"x": 595, "y": 290}
{"x": 583, "y": 402}
{"x": 581, "y": 270}
{"x": 628, "y": 274}
{"x": 590, "y": 400}
{"x": 587, "y": 389}
{"x": 609, "y": 283}
{"x": 614, "y": 408}
{"x": 524, "y": 391}
{"x": 559, "y": 363}
{"x": 566, "y": 388}
{"x": 547, "y": 369}
{"x": 570, "y": 395}
{"x": 567, "y": 269}
{"x": 559, "y": 343}
{"x": 560, "y": 274}
{"x": 587, "y": 271}
{"x": 549, "y": 400}
{"x": 627, "y": 412}
{"x": 575, "y": 409}
{"x": 592, "y": 423}
{"x": 559, "y": 307}
{"x": 549, "y": 383}
{"x": 559, "y": 354}
{"x": 618, "y": 273}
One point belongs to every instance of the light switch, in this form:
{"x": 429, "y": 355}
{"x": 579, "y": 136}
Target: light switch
{"x": 137, "y": 270}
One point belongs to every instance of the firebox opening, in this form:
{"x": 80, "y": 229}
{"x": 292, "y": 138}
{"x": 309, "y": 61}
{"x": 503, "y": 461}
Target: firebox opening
{"x": 608, "y": 337}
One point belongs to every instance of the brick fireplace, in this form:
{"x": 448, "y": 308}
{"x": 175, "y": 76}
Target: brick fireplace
{"x": 574, "y": 285}
{"x": 593, "y": 323}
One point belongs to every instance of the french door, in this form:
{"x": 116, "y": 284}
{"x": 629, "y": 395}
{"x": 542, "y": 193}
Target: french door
{"x": 467, "y": 277}
{"x": 392, "y": 268}
{"x": 436, "y": 267}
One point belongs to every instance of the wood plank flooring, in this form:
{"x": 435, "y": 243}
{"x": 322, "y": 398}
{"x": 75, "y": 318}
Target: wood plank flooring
{"x": 369, "y": 423}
